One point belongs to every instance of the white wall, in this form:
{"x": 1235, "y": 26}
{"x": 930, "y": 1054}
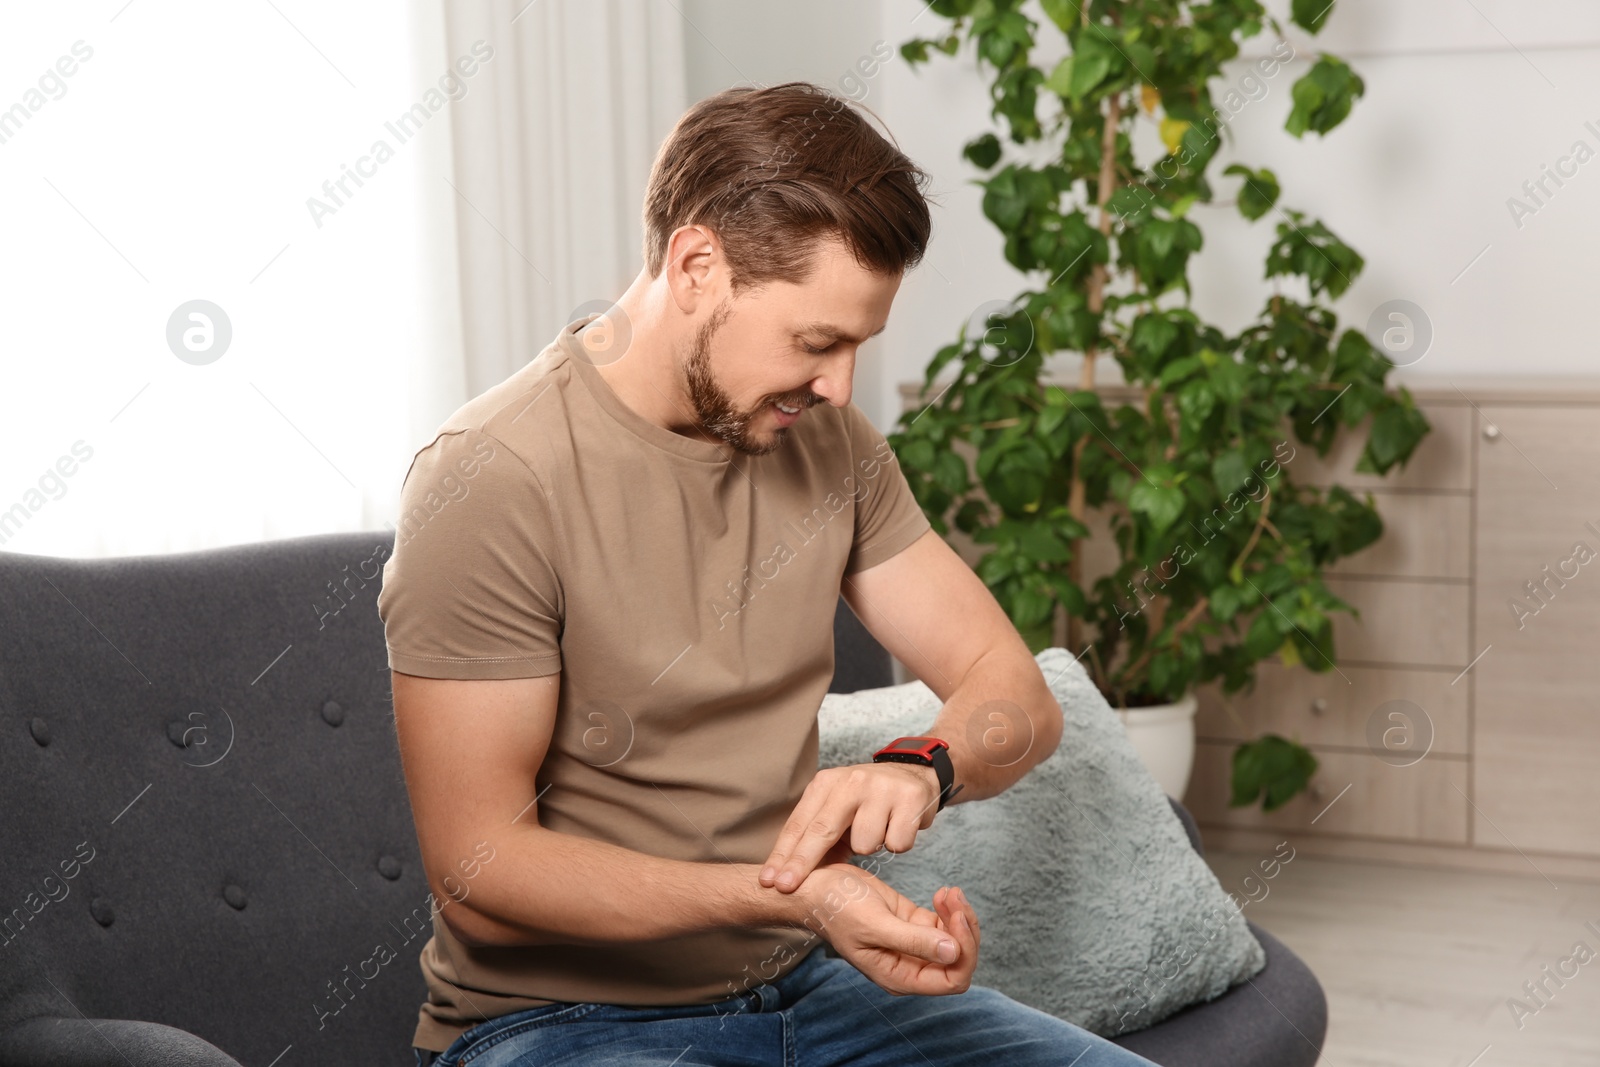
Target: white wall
{"x": 1464, "y": 103}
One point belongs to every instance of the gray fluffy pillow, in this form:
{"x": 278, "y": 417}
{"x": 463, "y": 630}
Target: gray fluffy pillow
{"x": 1095, "y": 908}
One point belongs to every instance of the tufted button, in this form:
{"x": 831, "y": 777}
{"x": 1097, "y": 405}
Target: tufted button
{"x": 102, "y": 912}
{"x": 40, "y": 730}
{"x": 332, "y": 713}
{"x": 235, "y": 897}
{"x": 389, "y": 867}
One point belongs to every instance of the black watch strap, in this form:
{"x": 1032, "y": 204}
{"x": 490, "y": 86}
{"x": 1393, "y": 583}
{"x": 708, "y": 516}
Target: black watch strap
{"x": 947, "y": 775}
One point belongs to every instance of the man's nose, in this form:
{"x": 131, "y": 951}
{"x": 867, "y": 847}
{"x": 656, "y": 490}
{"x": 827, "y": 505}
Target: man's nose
{"x": 833, "y": 385}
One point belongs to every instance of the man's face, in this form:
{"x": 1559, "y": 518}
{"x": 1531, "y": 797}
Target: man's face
{"x": 786, "y": 344}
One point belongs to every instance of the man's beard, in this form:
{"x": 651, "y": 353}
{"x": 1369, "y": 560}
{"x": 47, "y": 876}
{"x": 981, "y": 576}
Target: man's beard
{"x": 715, "y": 408}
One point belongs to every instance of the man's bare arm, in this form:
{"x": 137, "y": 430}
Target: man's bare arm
{"x": 471, "y": 751}
{"x": 1000, "y": 719}
{"x": 928, "y": 608}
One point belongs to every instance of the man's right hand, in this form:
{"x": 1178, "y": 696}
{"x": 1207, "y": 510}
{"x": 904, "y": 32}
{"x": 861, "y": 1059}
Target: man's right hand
{"x": 890, "y": 939}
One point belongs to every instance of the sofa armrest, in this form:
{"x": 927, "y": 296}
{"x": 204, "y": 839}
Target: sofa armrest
{"x": 49, "y": 1041}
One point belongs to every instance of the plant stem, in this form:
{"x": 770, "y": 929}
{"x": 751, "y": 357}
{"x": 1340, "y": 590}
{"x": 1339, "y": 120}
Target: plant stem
{"x": 1130, "y": 676}
{"x": 1255, "y": 535}
{"x": 1097, "y": 285}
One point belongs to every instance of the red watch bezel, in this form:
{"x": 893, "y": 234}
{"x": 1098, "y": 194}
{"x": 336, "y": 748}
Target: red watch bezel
{"x": 926, "y": 748}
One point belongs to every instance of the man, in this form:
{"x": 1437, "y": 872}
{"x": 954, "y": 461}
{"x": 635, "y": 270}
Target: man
{"x": 609, "y": 616}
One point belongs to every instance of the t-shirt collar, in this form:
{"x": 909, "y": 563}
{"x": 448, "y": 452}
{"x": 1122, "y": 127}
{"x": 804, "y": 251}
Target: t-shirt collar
{"x": 657, "y": 436}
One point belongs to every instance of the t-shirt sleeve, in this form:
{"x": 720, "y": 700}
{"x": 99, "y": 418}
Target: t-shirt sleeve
{"x": 888, "y": 517}
{"x": 472, "y": 588}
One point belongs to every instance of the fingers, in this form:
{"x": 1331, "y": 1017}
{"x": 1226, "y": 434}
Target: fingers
{"x": 957, "y": 916}
{"x": 903, "y": 824}
{"x": 817, "y": 838}
{"x": 870, "y": 805}
{"x": 932, "y": 943}
{"x": 963, "y": 924}
{"x": 804, "y": 817}
{"x": 867, "y": 832}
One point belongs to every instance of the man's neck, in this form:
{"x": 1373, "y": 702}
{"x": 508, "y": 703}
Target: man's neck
{"x": 647, "y": 376}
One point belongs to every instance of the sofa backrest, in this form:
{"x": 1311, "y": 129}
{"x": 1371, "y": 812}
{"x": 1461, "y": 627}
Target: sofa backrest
{"x": 206, "y": 821}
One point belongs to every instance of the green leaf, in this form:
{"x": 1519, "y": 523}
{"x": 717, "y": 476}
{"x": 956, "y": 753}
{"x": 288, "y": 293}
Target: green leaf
{"x": 983, "y": 151}
{"x": 1195, "y": 402}
{"x": 1264, "y": 635}
{"x": 1050, "y": 419}
{"x": 1002, "y": 204}
{"x": 1030, "y": 606}
{"x": 1258, "y": 192}
{"x": 1179, "y": 369}
{"x": 1310, "y": 14}
{"x": 1272, "y": 768}
{"x": 917, "y": 455}
{"x": 1160, "y": 504}
{"x": 1064, "y": 13}
{"x": 1396, "y": 430}
{"x": 1230, "y": 471}
{"x": 1041, "y": 543}
{"x": 950, "y": 472}
{"x": 1094, "y": 56}
{"x": 1060, "y": 79}
{"x": 1132, "y": 203}
{"x": 1227, "y": 600}
{"x": 1152, "y": 333}
{"x": 1323, "y": 96}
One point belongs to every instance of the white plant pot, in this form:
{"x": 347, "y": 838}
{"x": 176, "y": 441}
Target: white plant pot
{"x": 1163, "y": 736}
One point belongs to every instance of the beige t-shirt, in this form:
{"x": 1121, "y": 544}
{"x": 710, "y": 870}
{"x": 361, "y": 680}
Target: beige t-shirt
{"x": 686, "y": 593}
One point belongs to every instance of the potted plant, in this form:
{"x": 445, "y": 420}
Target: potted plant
{"x": 1219, "y": 548}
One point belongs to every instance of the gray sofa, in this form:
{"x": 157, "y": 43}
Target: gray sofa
{"x": 207, "y": 833}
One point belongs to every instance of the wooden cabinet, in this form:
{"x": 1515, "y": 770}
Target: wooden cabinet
{"x": 1479, "y": 628}
{"x": 1537, "y": 625}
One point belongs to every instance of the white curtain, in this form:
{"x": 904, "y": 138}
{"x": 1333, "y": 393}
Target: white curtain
{"x": 230, "y": 153}
{"x": 551, "y": 165}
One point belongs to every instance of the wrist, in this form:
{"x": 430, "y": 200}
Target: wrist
{"x": 924, "y": 751}
{"x": 825, "y": 893}
{"x": 756, "y": 906}
{"x": 931, "y": 778}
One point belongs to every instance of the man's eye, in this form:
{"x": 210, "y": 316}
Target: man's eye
{"x": 816, "y": 351}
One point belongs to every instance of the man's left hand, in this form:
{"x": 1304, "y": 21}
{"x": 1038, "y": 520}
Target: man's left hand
{"x": 876, "y": 804}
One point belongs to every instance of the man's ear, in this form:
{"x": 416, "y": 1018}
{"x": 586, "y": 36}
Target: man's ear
{"x": 695, "y": 268}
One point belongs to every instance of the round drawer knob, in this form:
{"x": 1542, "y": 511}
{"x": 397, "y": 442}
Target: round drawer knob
{"x": 1491, "y": 431}
{"x": 1314, "y": 792}
{"x": 1319, "y": 705}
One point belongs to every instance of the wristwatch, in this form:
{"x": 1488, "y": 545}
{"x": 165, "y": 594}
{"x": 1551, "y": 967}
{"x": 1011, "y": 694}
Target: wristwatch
{"x": 928, "y": 751}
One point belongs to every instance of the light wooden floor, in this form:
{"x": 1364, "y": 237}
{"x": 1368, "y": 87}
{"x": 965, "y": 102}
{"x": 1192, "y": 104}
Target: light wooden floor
{"x": 1418, "y": 964}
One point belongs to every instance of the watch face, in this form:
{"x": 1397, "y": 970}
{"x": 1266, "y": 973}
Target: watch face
{"x": 915, "y": 746}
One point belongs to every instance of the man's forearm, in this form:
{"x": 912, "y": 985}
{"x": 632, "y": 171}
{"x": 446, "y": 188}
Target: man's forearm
{"x": 1001, "y": 721}
{"x": 545, "y": 887}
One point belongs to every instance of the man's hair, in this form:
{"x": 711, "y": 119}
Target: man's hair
{"x": 772, "y": 169}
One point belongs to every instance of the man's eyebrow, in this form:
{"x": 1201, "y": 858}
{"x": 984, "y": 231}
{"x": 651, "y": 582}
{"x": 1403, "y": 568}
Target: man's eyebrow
{"x": 836, "y": 333}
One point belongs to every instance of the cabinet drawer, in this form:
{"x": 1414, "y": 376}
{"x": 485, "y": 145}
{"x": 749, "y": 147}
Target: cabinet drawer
{"x": 1414, "y": 803}
{"x": 1403, "y": 622}
{"x": 1443, "y": 459}
{"x": 1327, "y": 709}
{"x": 1425, "y": 535}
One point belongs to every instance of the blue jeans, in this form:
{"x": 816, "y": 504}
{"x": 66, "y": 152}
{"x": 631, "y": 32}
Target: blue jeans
{"x": 822, "y": 1013}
